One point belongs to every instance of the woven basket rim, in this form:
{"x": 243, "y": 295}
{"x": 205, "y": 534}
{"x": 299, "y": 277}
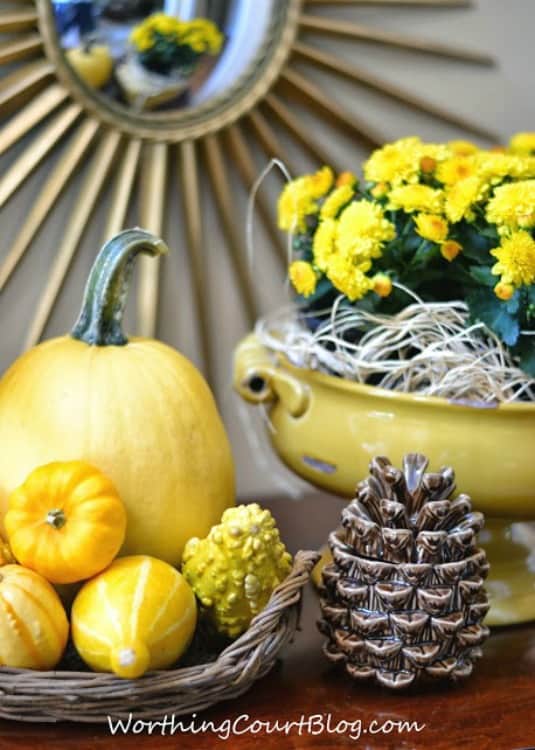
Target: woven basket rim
{"x": 62, "y": 695}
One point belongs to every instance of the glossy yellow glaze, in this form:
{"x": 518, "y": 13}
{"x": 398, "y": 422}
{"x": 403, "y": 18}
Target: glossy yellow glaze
{"x": 327, "y": 429}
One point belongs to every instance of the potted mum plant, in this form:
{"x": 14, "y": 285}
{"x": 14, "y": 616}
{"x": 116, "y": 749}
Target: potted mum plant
{"x": 414, "y": 330}
{"x": 165, "y": 52}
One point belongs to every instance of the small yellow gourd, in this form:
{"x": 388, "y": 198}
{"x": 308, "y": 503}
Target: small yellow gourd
{"x": 234, "y": 570}
{"x": 137, "y": 615}
{"x": 33, "y": 624}
{"x": 66, "y": 521}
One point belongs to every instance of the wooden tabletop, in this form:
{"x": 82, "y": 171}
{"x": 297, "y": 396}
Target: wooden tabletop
{"x": 494, "y": 709}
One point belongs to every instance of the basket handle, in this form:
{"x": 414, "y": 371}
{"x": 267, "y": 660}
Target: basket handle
{"x": 258, "y": 380}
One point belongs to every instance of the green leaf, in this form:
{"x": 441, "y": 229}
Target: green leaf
{"x": 476, "y": 245}
{"x": 426, "y": 251}
{"x": 483, "y": 275}
{"x": 513, "y": 305}
{"x": 489, "y": 232}
{"x": 487, "y": 308}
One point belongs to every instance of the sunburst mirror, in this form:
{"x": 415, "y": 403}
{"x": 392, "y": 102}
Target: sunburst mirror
{"x": 102, "y": 78}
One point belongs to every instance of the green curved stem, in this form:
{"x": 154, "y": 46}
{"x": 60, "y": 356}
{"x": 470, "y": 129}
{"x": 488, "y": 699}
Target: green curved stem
{"x": 101, "y": 317}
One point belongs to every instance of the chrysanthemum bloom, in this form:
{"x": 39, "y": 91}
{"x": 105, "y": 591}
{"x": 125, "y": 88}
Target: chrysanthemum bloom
{"x": 462, "y": 148}
{"x": 516, "y": 259}
{"x": 323, "y": 244}
{"x": 504, "y": 291}
{"x": 303, "y": 277}
{"x": 363, "y": 219}
{"x": 348, "y": 278}
{"x": 432, "y": 227}
{"x": 461, "y": 198}
{"x": 299, "y": 199}
{"x": 382, "y": 284}
{"x": 523, "y": 144}
{"x": 417, "y": 198}
{"x": 455, "y": 169}
{"x": 450, "y": 249}
{"x": 339, "y": 197}
{"x": 395, "y": 163}
{"x": 513, "y": 205}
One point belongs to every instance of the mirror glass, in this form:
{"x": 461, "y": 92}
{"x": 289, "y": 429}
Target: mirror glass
{"x": 161, "y": 55}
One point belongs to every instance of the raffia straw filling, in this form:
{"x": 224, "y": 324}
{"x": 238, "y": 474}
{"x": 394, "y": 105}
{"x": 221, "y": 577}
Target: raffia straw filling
{"x": 427, "y": 348}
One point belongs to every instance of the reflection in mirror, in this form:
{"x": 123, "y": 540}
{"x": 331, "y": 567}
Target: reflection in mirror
{"x": 163, "y": 55}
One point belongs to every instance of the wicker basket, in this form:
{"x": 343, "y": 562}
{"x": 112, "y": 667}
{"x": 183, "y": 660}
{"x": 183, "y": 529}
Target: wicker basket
{"x": 26, "y": 695}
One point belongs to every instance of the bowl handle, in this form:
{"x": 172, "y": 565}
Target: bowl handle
{"x": 257, "y": 379}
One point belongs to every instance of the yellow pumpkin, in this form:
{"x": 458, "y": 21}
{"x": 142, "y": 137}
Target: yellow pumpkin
{"x": 93, "y": 64}
{"x": 139, "y": 614}
{"x": 33, "y": 624}
{"x": 66, "y": 521}
{"x": 136, "y": 409}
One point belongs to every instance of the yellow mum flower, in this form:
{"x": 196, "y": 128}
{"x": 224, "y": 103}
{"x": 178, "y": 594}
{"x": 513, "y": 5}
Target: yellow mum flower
{"x": 462, "y": 148}
{"x": 362, "y": 227}
{"x": 495, "y": 166}
{"x": 348, "y": 278}
{"x": 450, "y": 249}
{"x": 382, "y": 284}
{"x": 321, "y": 182}
{"x": 295, "y": 204}
{"x": 523, "y": 144}
{"x": 513, "y": 205}
{"x": 298, "y": 199}
{"x": 455, "y": 169}
{"x": 380, "y": 190}
{"x": 396, "y": 162}
{"x": 303, "y": 277}
{"x": 504, "y": 291}
{"x": 323, "y": 244}
{"x": 516, "y": 259}
{"x": 202, "y": 35}
{"x": 428, "y": 164}
{"x": 345, "y": 178}
{"x": 334, "y": 202}
{"x": 417, "y": 198}
{"x": 167, "y": 25}
{"x": 461, "y": 197}
{"x": 432, "y": 227}
{"x": 142, "y": 39}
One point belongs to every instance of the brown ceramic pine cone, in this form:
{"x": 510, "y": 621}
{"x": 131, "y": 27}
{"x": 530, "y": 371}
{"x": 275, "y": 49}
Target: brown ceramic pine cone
{"x": 404, "y": 596}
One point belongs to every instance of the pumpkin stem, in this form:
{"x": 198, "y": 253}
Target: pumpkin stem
{"x": 56, "y": 518}
{"x": 101, "y": 316}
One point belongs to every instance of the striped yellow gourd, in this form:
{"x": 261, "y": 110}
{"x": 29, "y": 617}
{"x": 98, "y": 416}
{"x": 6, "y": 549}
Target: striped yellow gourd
{"x": 138, "y": 614}
{"x": 33, "y": 624}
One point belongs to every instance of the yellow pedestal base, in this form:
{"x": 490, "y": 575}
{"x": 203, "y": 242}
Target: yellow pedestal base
{"x": 511, "y": 583}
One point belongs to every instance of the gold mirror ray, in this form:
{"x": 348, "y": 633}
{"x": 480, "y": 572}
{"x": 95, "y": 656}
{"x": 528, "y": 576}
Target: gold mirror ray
{"x": 45, "y": 103}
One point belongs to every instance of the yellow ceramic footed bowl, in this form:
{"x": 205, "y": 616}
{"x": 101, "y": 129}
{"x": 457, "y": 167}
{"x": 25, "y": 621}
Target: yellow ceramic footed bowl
{"x": 326, "y": 429}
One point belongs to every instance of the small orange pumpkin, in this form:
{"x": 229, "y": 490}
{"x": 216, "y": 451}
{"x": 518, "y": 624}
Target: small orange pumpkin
{"x": 33, "y": 624}
{"x": 66, "y": 521}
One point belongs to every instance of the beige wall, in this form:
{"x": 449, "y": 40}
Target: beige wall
{"x": 500, "y": 98}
